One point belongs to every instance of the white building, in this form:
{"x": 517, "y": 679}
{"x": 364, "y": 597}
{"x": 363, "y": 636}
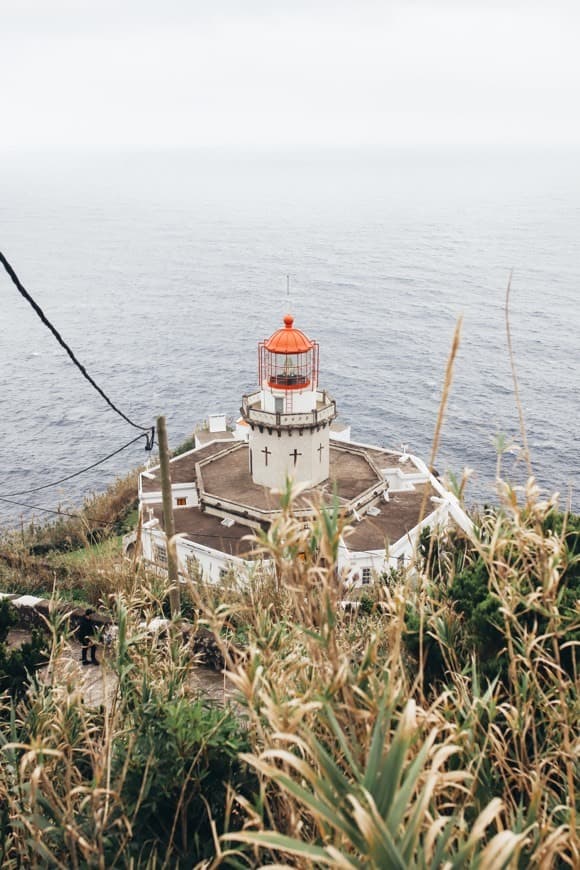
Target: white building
{"x": 226, "y": 487}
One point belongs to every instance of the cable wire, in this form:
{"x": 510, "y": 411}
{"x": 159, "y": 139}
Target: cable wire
{"x": 61, "y": 513}
{"x": 150, "y": 430}
{"x": 76, "y": 473}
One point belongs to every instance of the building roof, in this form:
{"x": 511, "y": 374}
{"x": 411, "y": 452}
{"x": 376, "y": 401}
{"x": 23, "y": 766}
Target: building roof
{"x": 388, "y": 459}
{"x": 204, "y": 436}
{"x": 207, "y": 530}
{"x": 228, "y": 477}
{"x": 221, "y": 472}
{"x": 182, "y": 468}
{"x": 397, "y": 517}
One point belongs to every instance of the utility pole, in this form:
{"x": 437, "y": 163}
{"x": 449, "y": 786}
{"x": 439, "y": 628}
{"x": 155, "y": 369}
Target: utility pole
{"x": 168, "y": 521}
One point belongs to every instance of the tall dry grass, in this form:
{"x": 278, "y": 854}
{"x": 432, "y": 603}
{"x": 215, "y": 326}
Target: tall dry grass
{"x": 138, "y": 781}
{"x": 368, "y": 749}
{"x": 362, "y": 761}
{"x": 437, "y": 726}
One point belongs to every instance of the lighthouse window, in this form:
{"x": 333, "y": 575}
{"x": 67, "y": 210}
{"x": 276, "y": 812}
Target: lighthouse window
{"x": 279, "y": 401}
{"x": 286, "y": 370}
{"x": 181, "y": 502}
{"x": 366, "y": 576}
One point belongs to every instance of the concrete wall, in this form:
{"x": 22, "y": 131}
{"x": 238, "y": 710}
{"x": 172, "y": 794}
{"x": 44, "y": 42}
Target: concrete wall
{"x": 311, "y": 464}
{"x": 33, "y": 612}
{"x": 217, "y": 422}
{"x": 295, "y": 401}
{"x": 210, "y": 563}
{"x": 180, "y": 491}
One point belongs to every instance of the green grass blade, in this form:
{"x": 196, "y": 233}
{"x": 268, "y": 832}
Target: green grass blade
{"x": 282, "y": 843}
{"x": 333, "y": 816}
{"x": 394, "y": 814}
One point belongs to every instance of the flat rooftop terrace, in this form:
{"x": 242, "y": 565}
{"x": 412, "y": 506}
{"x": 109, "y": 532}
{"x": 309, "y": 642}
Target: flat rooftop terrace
{"x": 228, "y": 477}
{"x": 397, "y": 517}
{"x": 221, "y": 471}
{"x": 182, "y": 468}
{"x": 205, "y": 529}
{"x": 385, "y": 459}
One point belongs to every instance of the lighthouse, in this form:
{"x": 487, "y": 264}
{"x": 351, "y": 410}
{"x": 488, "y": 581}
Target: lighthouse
{"x": 289, "y": 415}
{"x": 224, "y": 490}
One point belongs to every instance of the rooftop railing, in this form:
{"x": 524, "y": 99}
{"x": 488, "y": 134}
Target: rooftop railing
{"x": 325, "y": 411}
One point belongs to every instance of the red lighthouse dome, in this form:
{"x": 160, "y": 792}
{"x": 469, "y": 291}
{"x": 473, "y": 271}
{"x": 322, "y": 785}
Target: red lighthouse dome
{"x": 288, "y": 339}
{"x": 288, "y": 360}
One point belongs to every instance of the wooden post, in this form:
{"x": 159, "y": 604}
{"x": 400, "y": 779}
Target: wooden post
{"x": 168, "y": 521}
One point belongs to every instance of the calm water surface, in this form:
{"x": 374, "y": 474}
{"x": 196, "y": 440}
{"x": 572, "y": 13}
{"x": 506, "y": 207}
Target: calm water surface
{"x": 164, "y": 270}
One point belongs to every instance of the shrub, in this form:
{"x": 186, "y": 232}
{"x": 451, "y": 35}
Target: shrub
{"x": 18, "y": 665}
{"x": 480, "y": 608}
{"x": 179, "y": 761}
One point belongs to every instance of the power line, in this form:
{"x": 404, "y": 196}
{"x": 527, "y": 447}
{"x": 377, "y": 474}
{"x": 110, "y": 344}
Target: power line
{"x": 150, "y": 430}
{"x": 61, "y": 513}
{"x": 77, "y": 473}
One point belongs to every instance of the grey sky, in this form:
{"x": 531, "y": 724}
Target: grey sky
{"x": 82, "y": 72}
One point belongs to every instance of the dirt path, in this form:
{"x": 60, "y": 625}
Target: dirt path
{"x": 98, "y": 684}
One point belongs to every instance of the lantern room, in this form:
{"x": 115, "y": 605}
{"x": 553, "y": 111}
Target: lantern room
{"x": 288, "y": 360}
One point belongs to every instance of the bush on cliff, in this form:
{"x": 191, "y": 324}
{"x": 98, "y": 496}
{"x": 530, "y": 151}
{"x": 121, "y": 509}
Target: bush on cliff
{"x": 18, "y": 665}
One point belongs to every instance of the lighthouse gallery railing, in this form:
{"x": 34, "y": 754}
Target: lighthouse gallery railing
{"x": 326, "y": 411}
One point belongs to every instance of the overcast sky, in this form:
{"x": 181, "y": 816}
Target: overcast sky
{"x": 263, "y": 72}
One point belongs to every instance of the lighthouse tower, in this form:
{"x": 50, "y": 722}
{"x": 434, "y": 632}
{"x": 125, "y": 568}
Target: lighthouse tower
{"x": 289, "y": 416}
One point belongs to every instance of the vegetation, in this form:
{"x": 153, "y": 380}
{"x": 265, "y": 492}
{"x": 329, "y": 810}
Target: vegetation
{"x": 143, "y": 779}
{"x": 77, "y": 553}
{"x": 18, "y": 665}
{"x": 465, "y": 721}
{"x": 434, "y": 725}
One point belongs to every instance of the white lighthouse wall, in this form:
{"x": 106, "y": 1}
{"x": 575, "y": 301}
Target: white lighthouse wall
{"x": 187, "y": 492}
{"x": 210, "y": 564}
{"x": 213, "y": 565}
{"x": 295, "y": 401}
{"x": 311, "y": 465}
{"x": 361, "y": 568}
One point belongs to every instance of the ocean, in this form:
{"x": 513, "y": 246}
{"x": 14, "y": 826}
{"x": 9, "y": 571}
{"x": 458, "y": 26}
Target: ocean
{"x": 163, "y": 270}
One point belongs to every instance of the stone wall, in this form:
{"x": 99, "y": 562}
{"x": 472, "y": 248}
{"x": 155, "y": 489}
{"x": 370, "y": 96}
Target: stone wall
{"x": 33, "y": 612}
